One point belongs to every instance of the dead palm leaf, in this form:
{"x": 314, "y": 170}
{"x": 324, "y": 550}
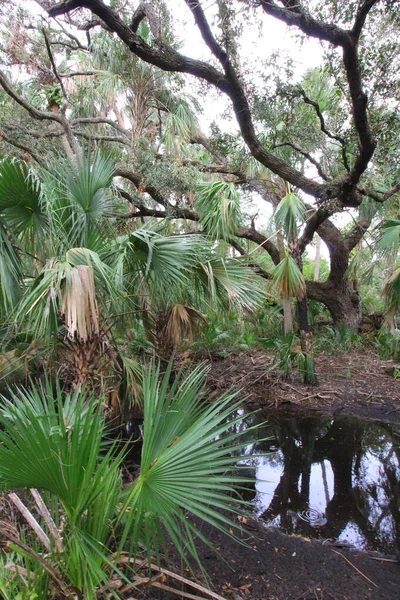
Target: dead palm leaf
{"x": 79, "y": 305}
{"x": 182, "y": 324}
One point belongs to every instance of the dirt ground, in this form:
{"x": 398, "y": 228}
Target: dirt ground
{"x": 351, "y": 384}
{"x": 275, "y": 566}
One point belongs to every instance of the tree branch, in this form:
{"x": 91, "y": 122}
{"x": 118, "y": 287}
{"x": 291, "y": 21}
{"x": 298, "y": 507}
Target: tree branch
{"x": 380, "y": 196}
{"x": 320, "y": 116}
{"x": 99, "y": 120}
{"x": 168, "y": 59}
{"x": 297, "y": 16}
{"x": 356, "y": 233}
{"x": 306, "y": 155}
{"x": 21, "y": 146}
{"x": 53, "y": 64}
{"x": 361, "y": 16}
{"x": 41, "y": 115}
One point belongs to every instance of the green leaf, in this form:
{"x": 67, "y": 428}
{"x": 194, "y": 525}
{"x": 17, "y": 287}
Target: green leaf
{"x": 289, "y": 214}
{"x": 218, "y": 204}
{"x": 288, "y": 278}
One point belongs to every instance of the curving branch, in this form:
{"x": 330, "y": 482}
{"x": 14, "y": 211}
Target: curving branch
{"x": 380, "y": 196}
{"x": 324, "y": 130}
{"x": 295, "y": 15}
{"x": 168, "y": 59}
{"x": 306, "y": 155}
{"x": 21, "y": 146}
{"x": 356, "y": 233}
{"x": 100, "y": 120}
{"x": 41, "y": 115}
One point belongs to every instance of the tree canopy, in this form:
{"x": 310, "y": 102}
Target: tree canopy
{"x": 113, "y": 75}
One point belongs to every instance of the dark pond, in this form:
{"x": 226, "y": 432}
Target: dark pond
{"x": 333, "y": 478}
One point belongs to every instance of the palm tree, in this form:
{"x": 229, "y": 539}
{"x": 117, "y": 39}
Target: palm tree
{"x": 288, "y": 277}
{"x": 85, "y": 281}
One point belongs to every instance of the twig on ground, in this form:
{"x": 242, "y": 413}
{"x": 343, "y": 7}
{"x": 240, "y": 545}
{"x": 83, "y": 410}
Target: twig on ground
{"x": 354, "y": 567}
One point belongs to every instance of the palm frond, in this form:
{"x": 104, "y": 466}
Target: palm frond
{"x": 391, "y": 292}
{"x": 21, "y": 201}
{"x": 58, "y": 447}
{"x": 187, "y": 463}
{"x": 389, "y": 236}
{"x": 218, "y": 204}
{"x": 288, "y": 279}
{"x": 289, "y": 214}
{"x": 182, "y": 324}
{"x": 10, "y": 272}
{"x": 228, "y": 283}
{"x": 79, "y": 196}
{"x": 162, "y": 261}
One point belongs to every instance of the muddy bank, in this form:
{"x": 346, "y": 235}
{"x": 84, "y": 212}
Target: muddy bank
{"x": 351, "y": 384}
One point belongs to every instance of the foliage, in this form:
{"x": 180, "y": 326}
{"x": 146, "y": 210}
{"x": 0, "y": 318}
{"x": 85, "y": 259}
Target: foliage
{"x": 288, "y": 279}
{"x": 56, "y": 444}
{"x": 218, "y": 204}
{"x": 289, "y": 214}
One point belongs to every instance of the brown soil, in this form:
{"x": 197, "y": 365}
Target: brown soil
{"x": 275, "y": 566}
{"x": 354, "y": 384}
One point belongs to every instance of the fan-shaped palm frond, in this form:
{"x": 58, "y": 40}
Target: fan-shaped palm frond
{"x": 228, "y": 283}
{"x": 288, "y": 278}
{"x": 181, "y": 124}
{"x": 289, "y": 213}
{"x": 21, "y": 201}
{"x": 71, "y": 288}
{"x": 186, "y": 464}
{"x": 389, "y": 236}
{"x": 58, "y": 446}
{"x": 10, "y": 272}
{"x": 54, "y": 442}
{"x": 145, "y": 255}
{"x": 218, "y": 204}
{"x": 182, "y": 324}
{"x": 77, "y": 197}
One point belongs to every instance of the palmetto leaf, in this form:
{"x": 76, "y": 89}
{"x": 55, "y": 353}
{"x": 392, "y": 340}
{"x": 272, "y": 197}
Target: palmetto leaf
{"x": 72, "y": 288}
{"x": 58, "y": 447}
{"x": 145, "y": 255}
{"x": 186, "y": 463}
{"x": 389, "y": 236}
{"x": 391, "y": 292}
{"x": 218, "y": 204}
{"x": 79, "y": 195}
{"x": 10, "y": 272}
{"x": 228, "y": 283}
{"x": 21, "y": 202}
{"x": 289, "y": 214}
{"x": 182, "y": 324}
{"x": 288, "y": 278}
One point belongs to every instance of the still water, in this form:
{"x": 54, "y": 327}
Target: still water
{"x": 332, "y": 478}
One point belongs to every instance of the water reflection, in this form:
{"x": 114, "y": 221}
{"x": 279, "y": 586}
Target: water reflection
{"x": 331, "y": 478}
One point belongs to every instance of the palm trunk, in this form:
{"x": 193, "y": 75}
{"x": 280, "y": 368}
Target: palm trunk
{"x": 317, "y": 262}
{"x": 286, "y": 303}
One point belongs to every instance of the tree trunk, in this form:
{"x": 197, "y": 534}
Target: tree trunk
{"x": 287, "y": 315}
{"x": 340, "y": 298}
{"x": 286, "y": 303}
{"x": 317, "y": 261}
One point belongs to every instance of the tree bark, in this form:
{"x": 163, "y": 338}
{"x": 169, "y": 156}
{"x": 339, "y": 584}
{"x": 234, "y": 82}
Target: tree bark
{"x": 341, "y": 300}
